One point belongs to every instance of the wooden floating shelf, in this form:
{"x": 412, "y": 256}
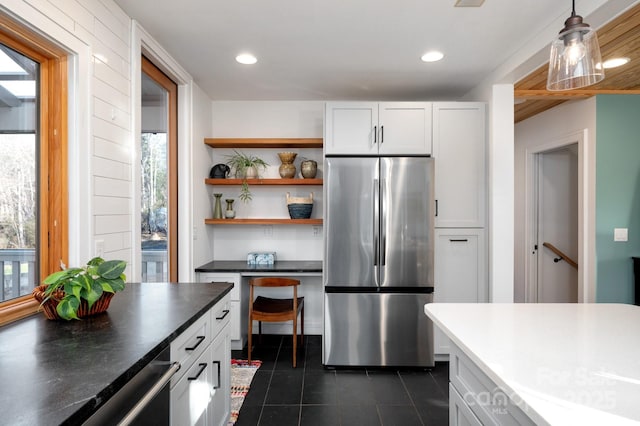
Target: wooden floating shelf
{"x": 264, "y": 142}
{"x": 263, "y": 221}
{"x": 264, "y": 181}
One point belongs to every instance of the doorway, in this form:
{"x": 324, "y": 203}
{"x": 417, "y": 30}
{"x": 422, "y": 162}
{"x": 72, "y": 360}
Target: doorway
{"x": 559, "y": 206}
{"x": 159, "y": 176}
{"x": 557, "y": 225}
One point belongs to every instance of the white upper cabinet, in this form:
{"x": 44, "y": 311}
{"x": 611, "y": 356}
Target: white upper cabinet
{"x": 459, "y": 152}
{"x": 371, "y": 128}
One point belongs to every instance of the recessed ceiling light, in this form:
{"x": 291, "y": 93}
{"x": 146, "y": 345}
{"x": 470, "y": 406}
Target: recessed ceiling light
{"x": 246, "y": 59}
{"x": 615, "y": 62}
{"x": 432, "y": 56}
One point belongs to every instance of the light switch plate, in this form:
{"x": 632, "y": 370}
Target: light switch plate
{"x": 620, "y": 234}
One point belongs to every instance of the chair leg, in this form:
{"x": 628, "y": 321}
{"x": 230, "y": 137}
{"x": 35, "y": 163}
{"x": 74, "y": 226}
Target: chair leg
{"x": 249, "y": 341}
{"x": 302, "y": 325}
{"x": 295, "y": 340}
{"x": 260, "y": 331}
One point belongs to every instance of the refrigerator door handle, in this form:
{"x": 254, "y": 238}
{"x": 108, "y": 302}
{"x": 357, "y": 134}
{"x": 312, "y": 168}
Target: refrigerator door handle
{"x": 376, "y": 223}
{"x": 375, "y": 134}
{"x": 383, "y": 222}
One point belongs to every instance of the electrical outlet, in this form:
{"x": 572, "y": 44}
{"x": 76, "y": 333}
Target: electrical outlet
{"x": 99, "y": 248}
{"x": 620, "y": 234}
{"x": 268, "y": 230}
{"x": 317, "y": 231}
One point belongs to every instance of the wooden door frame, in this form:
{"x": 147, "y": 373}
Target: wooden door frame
{"x": 171, "y": 87}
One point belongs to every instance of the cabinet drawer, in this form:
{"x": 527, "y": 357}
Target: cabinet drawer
{"x": 210, "y": 277}
{"x": 220, "y": 315}
{"x": 492, "y": 405}
{"x": 191, "y": 395}
{"x": 459, "y": 412}
{"x": 188, "y": 346}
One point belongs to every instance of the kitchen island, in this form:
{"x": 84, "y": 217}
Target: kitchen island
{"x": 543, "y": 364}
{"x": 54, "y": 372}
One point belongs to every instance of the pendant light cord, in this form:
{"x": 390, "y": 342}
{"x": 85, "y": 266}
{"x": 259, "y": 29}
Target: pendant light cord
{"x": 573, "y": 7}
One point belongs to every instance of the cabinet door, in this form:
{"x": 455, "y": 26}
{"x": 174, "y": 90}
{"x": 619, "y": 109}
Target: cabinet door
{"x": 459, "y": 271}
{"x": 459, "y": 150}
{"x": 404, "y": 128}
{"x": 351, "y": 128}
{"x": 221, "y": 361}
{"x": 191, "y": 396}
{"x": 459, "y": 412}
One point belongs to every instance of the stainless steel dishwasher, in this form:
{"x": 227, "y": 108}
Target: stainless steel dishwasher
{"x": 144, "y": 400}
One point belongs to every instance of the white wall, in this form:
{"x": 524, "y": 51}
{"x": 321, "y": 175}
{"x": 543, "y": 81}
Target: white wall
{"x": 532, "y": 134}
{"x": 267, "y": 120}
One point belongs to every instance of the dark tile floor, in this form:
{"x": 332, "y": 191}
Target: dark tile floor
{"x": 311, "y": 395}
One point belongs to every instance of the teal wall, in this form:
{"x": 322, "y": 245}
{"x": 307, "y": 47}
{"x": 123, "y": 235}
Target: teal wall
{"x": 617, "y": 194}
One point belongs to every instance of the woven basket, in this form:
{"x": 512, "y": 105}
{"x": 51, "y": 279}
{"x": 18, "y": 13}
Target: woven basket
{"x": 49, "y": 307}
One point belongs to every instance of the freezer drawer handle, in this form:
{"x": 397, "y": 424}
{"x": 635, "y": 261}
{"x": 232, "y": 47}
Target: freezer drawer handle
{"x": 203, "y": 366}
{"x": 226, "y": 312}
{"x": 193, "y": 348}
{"x": 463, "y": 240}
{"x": 217, "y": 363}
{"x": 148, "y": 397}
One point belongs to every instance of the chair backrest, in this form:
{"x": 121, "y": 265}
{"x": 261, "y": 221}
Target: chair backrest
{"x": 273, "y": 282}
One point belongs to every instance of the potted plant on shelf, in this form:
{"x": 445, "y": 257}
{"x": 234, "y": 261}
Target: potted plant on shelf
{"x": 78, "y": 292}
{"x": 245, "y": 167}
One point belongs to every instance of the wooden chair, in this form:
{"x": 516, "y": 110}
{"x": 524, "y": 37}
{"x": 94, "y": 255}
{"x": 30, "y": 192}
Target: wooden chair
{"x": 276, "y": 310}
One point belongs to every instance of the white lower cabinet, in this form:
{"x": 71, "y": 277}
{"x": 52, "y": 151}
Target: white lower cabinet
{"x": 201, "y": 393}
{"x": 239, "y": 311}
{"x": 474, "y": 399}
{"x": 460, "y": 273}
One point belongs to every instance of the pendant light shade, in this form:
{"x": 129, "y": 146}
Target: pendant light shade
{"x": 575, "y": 59}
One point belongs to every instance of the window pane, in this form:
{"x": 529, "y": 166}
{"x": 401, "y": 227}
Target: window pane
{"x": 18, "y": 174}
{"x": 155, "y": 200}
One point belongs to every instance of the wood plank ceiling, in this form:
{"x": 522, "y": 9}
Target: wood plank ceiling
{"x": 618, "y": 38}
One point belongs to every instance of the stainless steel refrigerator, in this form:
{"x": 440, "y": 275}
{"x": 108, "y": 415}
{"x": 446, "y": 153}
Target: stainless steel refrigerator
{"x": 378, "y": 270}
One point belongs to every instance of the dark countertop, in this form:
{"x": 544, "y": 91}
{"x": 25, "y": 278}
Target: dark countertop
{"x": 280, "y": 266}
{"x": 57, "y": 371}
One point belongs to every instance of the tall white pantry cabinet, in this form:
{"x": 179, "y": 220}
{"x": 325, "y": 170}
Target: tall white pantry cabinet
{"x": 460, "y": 250}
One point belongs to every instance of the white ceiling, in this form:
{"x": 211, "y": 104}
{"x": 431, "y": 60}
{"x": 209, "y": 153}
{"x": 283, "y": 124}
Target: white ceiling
{"x": 342, "y": 49}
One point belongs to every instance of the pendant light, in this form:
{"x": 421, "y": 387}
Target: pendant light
{"x": 575, "y": 56}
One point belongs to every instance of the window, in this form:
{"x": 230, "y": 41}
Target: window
{"x": 159, "y": 174}
{"x": 33, "y": 201}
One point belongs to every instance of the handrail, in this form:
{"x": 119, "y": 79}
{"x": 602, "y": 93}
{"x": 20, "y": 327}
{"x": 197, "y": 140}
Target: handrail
{"x": 561, "y": 254}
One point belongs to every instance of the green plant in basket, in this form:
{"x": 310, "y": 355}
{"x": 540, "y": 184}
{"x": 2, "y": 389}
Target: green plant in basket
{"x": 88, "y": 282}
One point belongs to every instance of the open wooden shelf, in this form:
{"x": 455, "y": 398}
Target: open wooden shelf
{"x": 264, "y": 181}
{"x": 273, "y": 221}
{"x": 264, "y": 142}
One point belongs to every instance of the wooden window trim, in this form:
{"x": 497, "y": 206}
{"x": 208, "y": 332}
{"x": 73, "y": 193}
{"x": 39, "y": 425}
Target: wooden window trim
{"x": 172, "y": 167}
{"x": 53, "y": 117}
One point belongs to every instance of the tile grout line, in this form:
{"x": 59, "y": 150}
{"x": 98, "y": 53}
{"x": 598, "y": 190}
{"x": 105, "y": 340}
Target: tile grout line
{"x": 304, "y": 373}
{"x": 264, "y": 401}
{"x": 413, "y": 403}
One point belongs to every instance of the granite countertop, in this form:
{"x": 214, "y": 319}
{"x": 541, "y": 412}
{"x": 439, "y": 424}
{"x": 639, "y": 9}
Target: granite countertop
{"x": 280, "y": 266}
{"x": 57, "y": 371}
{"x": 561, "y": 363}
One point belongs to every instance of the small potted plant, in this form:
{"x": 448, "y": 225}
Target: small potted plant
{"x": 77, "y": 292}
{"x": 245, "y": 167}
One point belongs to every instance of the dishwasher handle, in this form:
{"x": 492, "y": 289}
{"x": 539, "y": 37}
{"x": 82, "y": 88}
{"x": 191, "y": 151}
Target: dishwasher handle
{"x": 148, "y": 397}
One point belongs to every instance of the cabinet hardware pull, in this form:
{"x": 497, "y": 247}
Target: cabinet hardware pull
{"x": 463, "y": 240}
{"x": 436, "y": 208}
{"x": 217, "y": 363}
{"x": 148, "y": 397}
{"x": 203, "y": 366}
{"x": 192, "y": 348}
{"x": 381, "y": 134}
{"x": 226, "y": 312}
{"x": 375, "y": 134}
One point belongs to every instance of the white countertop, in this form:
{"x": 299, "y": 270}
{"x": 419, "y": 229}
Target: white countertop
{"x": 565, "y": 364}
